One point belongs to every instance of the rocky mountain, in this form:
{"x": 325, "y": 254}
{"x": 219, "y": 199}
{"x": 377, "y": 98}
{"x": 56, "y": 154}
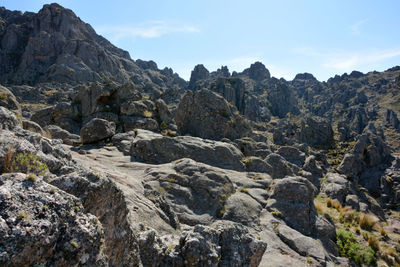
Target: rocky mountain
{"x": 107, "y": 161}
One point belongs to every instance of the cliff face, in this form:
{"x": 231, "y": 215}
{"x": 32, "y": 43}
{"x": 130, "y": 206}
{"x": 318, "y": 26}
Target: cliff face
{"x": 106, "y": 161}
{"x": 55, "y": 45}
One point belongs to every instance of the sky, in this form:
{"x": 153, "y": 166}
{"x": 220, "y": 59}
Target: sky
{"x": 324, "y": 38}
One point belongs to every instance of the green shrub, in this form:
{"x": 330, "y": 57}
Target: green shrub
{"x": 31, "y": 177}
{"x": 28, "y": 163}
{"x": 349, "y": 247}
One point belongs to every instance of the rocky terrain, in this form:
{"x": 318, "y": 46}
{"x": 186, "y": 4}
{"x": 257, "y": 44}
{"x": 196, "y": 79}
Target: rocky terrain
{"x": 107, "y": 161}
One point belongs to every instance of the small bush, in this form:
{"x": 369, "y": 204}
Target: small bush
{"x": 31, "y": 177}
{"x": 349, "y": 247}
{"x": 373, "y": 243}
{"x": 383, "y": 232}
{"x": 277, "y": 213}
{"x": 8, "y": 159}
{"x": 22, "y": 215}
{"x": 244, "y": 190}
{"x": 333, "y": 203}
{"x": 28, "y": 163}
{"x": 147, "y": 114}
{"x": 367, "y": 222}
{"x": 74, "y": 244}
{"x": 319, "y": 208}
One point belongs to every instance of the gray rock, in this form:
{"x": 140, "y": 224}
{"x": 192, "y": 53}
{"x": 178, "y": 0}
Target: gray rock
{"x": 163, "y": 111}
{"x": 123, "y": 141}
{"x": 255, "y": 164}
{"x": 134, "y": 108}
{"x": 97, "y": 130}
{"x": 155, "y": 148}
{"x": 8, "y": 120}
{"x": 45, "y": 225}
{"x": 293, "y": 197}
{"x": 8, "y": 100}
{"x": 32, "y": 126}
{"x": 196, "y": 193}
{"x": 198, "y": 73}
{"x": 280, "y": 167}
{"x": 369, "y": 151}
{"x": 292, "y": 154}
{"x": 316, "y": 131}
{"x": 311, "y": 165}
{"x": 58, "y": 133}
{"x": 242, "y": 208}
{"x": 208, "y": 115}
{"x": 233, "y": 90}
{"x": 131, "y": 123}
{"x": 336, "y": 186}
{"x": 44, "y": 116}
{"x": 391, "y": 119}
{"x": 304, "y": 245}
{"x": 257, "y": 71}
{"x": 353, "y": 201}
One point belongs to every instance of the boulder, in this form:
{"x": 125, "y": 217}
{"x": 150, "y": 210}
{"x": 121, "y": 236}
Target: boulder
{"x": 208, "y": 115}
{"x": 292, "y": 154}
{"x": 40, "y": 224}
{"x": 311, "y": 166}
{"x": 316, "y": 131}
{"x": 336, "y": 186}
{"x": 8, "y": 120}
{"x": 97, "y": 130}
{"x": 293, "y": 198}
{"x": 156, "y": 148}
{"x": 134, "y": 108}
{"x": 304, "y": 245}
{"x": 163, "y": 111}
{"x": 58, "y": 133}
{"x": 8, "y": 100}
{"x": 32, "y": 126}
{"x": 131, "y": 123}
{"x": 280, "y": 167}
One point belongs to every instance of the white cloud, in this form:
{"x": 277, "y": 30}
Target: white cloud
{"x": 349, "y": 60}
{"x": 355, "y": 28}
{"x": 151, "y": 29}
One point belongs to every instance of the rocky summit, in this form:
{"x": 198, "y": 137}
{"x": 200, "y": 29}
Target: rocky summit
{"x": 107, "y": 161}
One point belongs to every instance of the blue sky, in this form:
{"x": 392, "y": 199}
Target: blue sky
{"x": 321, "y": 37}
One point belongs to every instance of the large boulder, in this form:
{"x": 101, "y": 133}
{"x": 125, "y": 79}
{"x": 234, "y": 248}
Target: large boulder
{"x": 293, "y": 198}
{"x": 156, "y": 148}
{"x": 42, "y": 225}
{"x": 316, "y": 131}
{"x": 208, "y": 115}
{"x": 369, "y": 151}
{"x": 97, "y": 130}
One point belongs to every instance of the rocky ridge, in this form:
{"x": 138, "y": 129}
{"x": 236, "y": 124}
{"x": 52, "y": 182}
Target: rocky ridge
{"x": 123, "y": 167}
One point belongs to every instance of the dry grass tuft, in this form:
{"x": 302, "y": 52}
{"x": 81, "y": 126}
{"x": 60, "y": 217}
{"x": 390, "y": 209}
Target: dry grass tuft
{"x": 367, "y": 222}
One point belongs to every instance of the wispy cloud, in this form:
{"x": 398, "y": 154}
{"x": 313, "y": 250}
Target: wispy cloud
{"x": 355, "y": 28}
{"x": 151, "y": 29}
{"x": 348, "y": 61}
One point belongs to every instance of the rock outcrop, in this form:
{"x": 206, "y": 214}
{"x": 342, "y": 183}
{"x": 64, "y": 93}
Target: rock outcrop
{"x": 208, "y": 115}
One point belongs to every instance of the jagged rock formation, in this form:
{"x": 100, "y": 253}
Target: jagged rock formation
{"x": 106, "y": 161}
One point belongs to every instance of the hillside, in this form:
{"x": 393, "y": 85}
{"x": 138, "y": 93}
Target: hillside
{"x": 107, "y": 161}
